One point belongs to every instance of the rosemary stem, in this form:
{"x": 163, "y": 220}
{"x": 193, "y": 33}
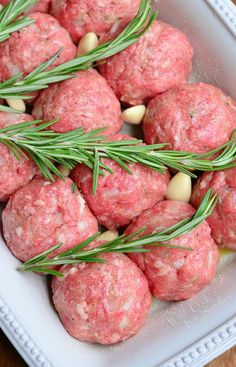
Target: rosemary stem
{"x": 19, "y": 86}
{"x": 9, "y": 14}
{"x": 48, "y": 148}
{"x": 124, "y": 244}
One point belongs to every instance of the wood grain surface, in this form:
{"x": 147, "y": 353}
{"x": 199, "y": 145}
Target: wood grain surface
{"x": 10, "y": 358}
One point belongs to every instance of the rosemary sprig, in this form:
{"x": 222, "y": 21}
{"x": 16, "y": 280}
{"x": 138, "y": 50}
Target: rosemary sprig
{"x": 125, "y": 244}
{"x": 8, "y": 17}
{"x": 47, "y": 147}
{"x": 40, "y": 78}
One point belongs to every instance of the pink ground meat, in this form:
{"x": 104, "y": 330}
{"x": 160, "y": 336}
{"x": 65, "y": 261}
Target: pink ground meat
{"x": 33, "y": 45}
{"x": 223, "y": 219}
{"x": 84, "y": 101}
{"x": 191, "y": 117}
{"x": 120, "y": 197}
{"x": 103, "y": 303}
{"x": 42, "y": 6}
{"x": 161, "y": 59}
{"x": 82, "y": 16}
{"x": 175, "y": 274}
{"x": 42, "y": 214}
{"x": 14, "y": 173}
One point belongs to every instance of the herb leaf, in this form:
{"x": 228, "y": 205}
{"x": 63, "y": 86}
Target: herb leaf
{"x": 47, "y": 148}
{"x": 40, "y": 78}
{"x": 8, "y": 17}
{"x": 124, "y": 244}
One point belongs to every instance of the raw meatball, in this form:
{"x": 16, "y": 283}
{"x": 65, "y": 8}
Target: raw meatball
{"x": 33, "y": 45}
{"x": 43, "y": 6}
{"x": 223, "y": 219}
{"x": 120, "y": 196}
{"x": 84, "y": 101}
{"x": 44, "y": 213}
{"x": 161, "y": 59}
{"x": 192, "y": 117}
{"x": 175, "y": 274}
{"x": 102, "y": 303}
{"x": 14, "y": 173}
{"x": 82, "y": 16}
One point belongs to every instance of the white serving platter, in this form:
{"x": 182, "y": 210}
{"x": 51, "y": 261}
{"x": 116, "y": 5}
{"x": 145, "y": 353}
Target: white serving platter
{"x": 183, "y": 334}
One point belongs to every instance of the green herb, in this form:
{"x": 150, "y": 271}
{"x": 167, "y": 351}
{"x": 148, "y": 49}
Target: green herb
{"x": 9, "y": 109}
{"x": 74, "y": 187}
{"x": 47, "y": 147}
{"x": 124, "y": 244}
{"x": 40, "y": 78}
{"x": 8, "y": 17}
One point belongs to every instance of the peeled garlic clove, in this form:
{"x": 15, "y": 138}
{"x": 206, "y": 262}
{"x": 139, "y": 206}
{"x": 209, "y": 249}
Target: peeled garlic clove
{"x": 134, "y": 115}
{"x": 87, "y": 43}
{"x": 65, "y": 171}
{"x": 108, "y": 236}
{"x": 180, "y": 188}
{"x": 17, "y": 104}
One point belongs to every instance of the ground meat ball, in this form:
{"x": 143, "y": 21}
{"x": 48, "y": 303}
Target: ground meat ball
{"x": 14, "y": 173}
{"x": 175, "y": 274}
{"x": 192, "y": 117}
{"x": 103, "y": 303}
{"x": 84, "y": 101}
{"x": 33, "y": 45}
{"x": 161, "y": 59}
{"x": 42, "y": 6}
{"x": 120, "y": 197}
{"x": 223, "y": 219}
{"x": 43, "y": 214}
{"x": 82, "y": 16}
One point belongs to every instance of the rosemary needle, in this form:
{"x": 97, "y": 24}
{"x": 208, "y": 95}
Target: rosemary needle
{"x": 47, "y": 147}
{"x": 19, "y": 86}
{"x": 125, "y": 244}
{"x": 8, "y": 17}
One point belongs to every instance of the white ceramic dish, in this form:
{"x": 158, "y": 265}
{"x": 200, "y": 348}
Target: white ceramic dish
{"x": 184, "y": 334}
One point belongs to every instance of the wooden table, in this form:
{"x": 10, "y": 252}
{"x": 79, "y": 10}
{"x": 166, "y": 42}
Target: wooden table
{"x": 10, "y": 358}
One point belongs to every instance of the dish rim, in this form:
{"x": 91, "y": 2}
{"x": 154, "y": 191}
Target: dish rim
{"x": 198, "y": 354}
{"x": 226, "y": 11}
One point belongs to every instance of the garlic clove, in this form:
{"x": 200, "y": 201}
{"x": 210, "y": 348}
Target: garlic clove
{"x": 65, "y": 171}
{"x": 134, "y": 115}
{"x": 87, "y": 43}
{"x": 17, "y": 104}
{"x": 108, "y": 236}
{"x": 180, "y": 188}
